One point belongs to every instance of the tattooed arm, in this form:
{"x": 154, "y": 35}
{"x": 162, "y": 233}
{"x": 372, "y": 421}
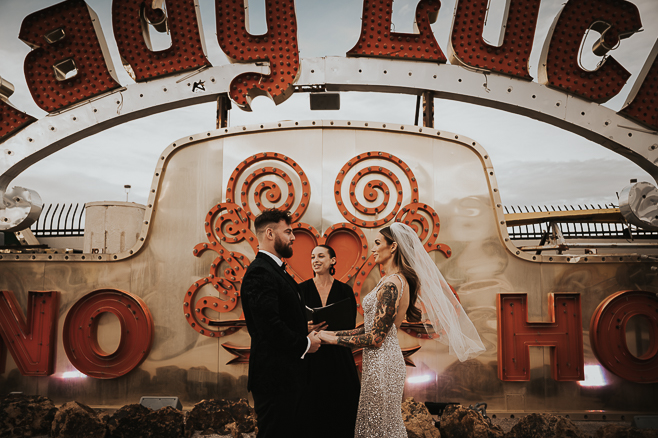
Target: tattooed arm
{"x": 357, "y": 331}
{"x": 387, "y": 298}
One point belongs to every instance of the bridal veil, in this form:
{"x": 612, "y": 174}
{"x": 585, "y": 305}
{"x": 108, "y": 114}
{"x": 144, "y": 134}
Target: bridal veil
{"x": 438, "y": 303}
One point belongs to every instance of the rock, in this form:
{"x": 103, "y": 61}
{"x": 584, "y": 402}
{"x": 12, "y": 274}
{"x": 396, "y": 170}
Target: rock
{"x": 545, "y": 426}
{"x": 75, "y": 420}
{"x": 221, "y": 417}
{"x": 26, "y": 416}
{"x": 460, "y": 422}
{"x": 418, "y": 421}
{"x": 618, "y": 431}
{"x": 139, "y": 421}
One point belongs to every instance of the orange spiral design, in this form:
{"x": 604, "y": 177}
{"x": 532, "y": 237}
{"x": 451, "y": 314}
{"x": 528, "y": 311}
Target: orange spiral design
{"x": 269, "y": 190}
{"x": 373, "y": 188}
{"x": 224, "y": 223}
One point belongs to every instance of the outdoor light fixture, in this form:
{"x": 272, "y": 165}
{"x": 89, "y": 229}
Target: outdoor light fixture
{"x": 127, "y": 187}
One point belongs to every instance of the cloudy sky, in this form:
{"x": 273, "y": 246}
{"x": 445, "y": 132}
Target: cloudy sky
{"x": 536, "y": 164}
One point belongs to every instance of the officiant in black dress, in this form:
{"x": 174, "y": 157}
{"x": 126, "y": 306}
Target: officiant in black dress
{"x": 331, "y": 400}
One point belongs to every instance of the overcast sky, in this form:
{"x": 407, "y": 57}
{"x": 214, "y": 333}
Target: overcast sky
{"x": 536, "y": 164}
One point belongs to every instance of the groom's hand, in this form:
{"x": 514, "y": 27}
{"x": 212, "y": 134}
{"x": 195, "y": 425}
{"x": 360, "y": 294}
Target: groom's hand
{"x": 315, "y": 342}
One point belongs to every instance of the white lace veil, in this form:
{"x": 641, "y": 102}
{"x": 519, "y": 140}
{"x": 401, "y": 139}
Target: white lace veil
{"x": 440, "y": 307}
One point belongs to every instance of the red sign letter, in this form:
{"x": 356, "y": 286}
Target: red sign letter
{"x": 11, "y": 120}
{"x": 130, "y": 20}
{"x": 607, "y": 334}
{"x": 564, "y": 333}
{"x": 69, "y": 62}
{"x": 469, "y": 48}
{"x": 560, "y": 64}
{"x": 643, "y": 98}
{"x": 32, "y": 342}
{"x": 278, "y": 47}
{"x": 80, "y": 333}
{"x": 377, "y": 40}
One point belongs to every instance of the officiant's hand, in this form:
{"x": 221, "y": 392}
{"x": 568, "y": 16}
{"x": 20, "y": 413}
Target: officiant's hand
{"x": 316, "y": 327}
{"x": 328, "y": 337}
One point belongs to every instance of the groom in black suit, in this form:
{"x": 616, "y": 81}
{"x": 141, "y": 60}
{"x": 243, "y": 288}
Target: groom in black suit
{"x": 276, "y": 321}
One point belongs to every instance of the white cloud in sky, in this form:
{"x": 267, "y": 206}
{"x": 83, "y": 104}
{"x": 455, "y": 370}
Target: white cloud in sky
{"x": 535, "y": 162}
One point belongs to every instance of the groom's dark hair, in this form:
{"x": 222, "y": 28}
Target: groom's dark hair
{"x": 269, "y": 217}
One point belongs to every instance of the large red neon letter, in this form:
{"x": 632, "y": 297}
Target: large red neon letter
{"x": 642, "y": 102}
{"x": 11, "y": 120}
{"x": 564, "y": 333}
{"x": 467, "y": 46}
{"x": 607, "y": 334}
{"x": 560, "y": 67}
{"x": 31, "y": 340}
{"x": 278, "y": 47}
{"x": 130, "y": 20}
{"x": 81, "y": 340}
{"x": 377, "y": 39}
{"x": 69, "y": 62}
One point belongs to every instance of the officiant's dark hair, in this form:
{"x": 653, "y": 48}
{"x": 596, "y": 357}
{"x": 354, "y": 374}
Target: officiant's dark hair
{"x": 271, "y": 216}
{"x": 332, "y": 254}
{"x": 413, "y": 313}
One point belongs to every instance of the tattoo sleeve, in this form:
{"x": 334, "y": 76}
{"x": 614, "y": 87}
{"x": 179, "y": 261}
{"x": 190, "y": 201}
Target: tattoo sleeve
{"x": 357, "y": 331}
{"x": 386, "y": 311}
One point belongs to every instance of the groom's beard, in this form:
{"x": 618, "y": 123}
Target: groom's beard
{"x": 283, "y": 249}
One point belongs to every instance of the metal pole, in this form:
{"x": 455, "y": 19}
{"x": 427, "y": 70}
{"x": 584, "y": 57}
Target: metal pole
{"x": 223, "y": 107}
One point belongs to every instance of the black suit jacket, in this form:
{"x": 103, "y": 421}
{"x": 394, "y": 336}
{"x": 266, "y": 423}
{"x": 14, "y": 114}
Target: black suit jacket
{"x": 274, "y": 312}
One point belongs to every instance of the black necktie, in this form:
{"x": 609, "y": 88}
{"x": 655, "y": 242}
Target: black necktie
{"x": 284, "y": 266}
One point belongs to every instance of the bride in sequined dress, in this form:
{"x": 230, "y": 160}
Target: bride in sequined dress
{"x": 410, "y": 277}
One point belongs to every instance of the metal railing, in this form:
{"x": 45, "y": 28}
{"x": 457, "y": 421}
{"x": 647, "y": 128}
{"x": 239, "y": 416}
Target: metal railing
{"x": 575, "y": 229}
{"x": 67, "y": 220}
{"x": 60, "y": 220}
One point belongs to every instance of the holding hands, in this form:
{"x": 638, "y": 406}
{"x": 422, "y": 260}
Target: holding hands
{"x": 314, "y": 337}
{"x": 328, "y": 337}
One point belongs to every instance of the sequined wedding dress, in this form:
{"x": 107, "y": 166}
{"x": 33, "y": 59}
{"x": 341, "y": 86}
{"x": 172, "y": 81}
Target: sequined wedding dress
{"x": 382, "y": 381}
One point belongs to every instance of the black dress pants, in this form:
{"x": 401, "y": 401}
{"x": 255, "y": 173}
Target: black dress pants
{"x": 277, "y": 414}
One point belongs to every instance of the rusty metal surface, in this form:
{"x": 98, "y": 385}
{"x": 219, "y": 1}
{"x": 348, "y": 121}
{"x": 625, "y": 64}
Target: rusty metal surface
{"x": 511, "y": 57}
{"x": 277, "y": 48}
{"x": 130, "y": 21}
{"x": 62, "y": 33}
{"x": 378, "y": 39}
{"x": 30, "y": 336}
{"x": 454, "y": 179}
{"x": 560, "y": 66}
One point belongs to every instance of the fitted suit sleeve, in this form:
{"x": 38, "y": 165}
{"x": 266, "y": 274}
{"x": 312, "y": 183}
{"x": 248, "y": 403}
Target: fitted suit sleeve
{"x": 264, "y": 298}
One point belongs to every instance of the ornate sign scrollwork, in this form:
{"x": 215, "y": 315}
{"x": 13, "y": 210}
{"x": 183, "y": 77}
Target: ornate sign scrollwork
{"x": 375, "y": 184}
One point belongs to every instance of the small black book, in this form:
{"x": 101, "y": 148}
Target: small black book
{"x": 338, "y": 315}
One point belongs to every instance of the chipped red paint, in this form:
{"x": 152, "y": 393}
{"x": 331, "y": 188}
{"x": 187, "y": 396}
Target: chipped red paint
{"x": 74, "y": 39}
{"x": 564, "y": 334}
{"x": 130, "y": 17}
{"x": 12, "y": 120}
{"x": 378, "y": 40}
{"x": 607, "y": 335}
{"x": 511, "y": 57}
{"x": 615, "y": 20}
{"x": 644, "y": 107}
{"x": 80, "y": 333}
{"x": 278, "y": 47}
{"x": 31, "y": 340}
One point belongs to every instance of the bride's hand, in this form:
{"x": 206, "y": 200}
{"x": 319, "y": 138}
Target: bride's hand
{"x": 328, "y": 337}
